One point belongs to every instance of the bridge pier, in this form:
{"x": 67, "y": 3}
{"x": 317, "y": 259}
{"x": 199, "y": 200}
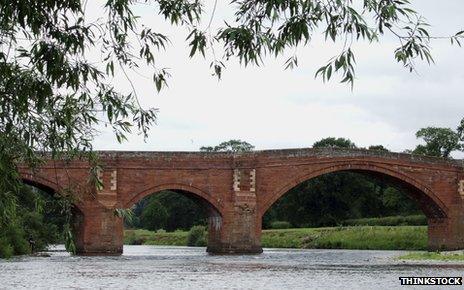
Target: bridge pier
{"x": 240, "y": 232}
{"x": 98, "y": 232}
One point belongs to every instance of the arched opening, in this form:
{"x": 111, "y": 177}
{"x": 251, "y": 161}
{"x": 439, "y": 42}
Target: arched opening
{"x": 41, "y": 218}
{"x": 347, "y": 197}
{"x": 173, "y": 215}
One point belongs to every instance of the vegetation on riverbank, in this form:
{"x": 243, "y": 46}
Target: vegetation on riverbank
{"x": 359, "y": 237}
{"x": 410, "y": 220}
{"x": 435, "y": 256}
{"x": 38, "y": 219}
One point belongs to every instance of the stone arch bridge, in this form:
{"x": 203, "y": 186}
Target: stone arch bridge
{"x": 238, "y": 188}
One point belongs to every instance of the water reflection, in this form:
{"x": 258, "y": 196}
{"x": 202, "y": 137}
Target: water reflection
{"x": 184, "y": 267}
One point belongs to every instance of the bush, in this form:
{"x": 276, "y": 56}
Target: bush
{"x": 6, "y": 250}
{"x": 280, "y": 225}
{"x": 412, "y": 220}
{"x": 197, "y": 236}
{"x": 154, "y": 216}
{"x": 132, "y": 239}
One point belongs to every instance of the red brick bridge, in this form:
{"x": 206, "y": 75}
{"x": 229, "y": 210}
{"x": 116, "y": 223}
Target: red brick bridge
{"x": 238, "y": 188}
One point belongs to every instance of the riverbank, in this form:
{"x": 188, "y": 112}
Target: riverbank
{"x": 434, "y": 256}
{"x": 357, "y": 237}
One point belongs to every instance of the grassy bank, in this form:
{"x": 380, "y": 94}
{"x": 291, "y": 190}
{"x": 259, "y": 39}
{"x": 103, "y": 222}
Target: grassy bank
{"x": 359, "y": 237}
{"x": 434, "y": 256}
{"x": 145, "y": 237}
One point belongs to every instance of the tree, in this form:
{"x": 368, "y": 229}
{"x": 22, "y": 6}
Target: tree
{"x": 182, "y": 212}
{"x": 331, "y": 142}
{"x": 378, "y": 148}
{"x": 230, "y": 146}
{"x": 154, "y": 216}
{"x": 460, "y": 130}
{"x": 439, "y": 142}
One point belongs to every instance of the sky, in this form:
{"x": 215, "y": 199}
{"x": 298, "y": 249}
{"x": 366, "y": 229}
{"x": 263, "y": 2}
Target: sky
{"x": 273, "y": 108}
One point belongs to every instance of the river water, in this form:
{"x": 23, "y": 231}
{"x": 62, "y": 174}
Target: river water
{"x": 157, "y": 267}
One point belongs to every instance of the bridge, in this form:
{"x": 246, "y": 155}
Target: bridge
{"x": 238, "y": 188}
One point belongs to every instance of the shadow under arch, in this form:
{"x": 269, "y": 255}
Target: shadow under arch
{"x": 212, "y": 207}
{"x": 426, "y": 199}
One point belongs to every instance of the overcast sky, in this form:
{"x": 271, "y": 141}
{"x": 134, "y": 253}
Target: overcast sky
{"x": 275, "y": 108}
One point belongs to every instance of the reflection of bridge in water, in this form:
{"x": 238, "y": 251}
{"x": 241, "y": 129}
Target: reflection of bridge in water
{"x": 238, "y": 188}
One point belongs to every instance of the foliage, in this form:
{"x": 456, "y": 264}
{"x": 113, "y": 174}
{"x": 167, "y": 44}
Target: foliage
{"x": 37, "y": 216}
{"x": 145, "y": 237}
{"x": 378, "y": 148}
{"x": 127, "y": 214}
{"x": 182, "y": 211}
{"x": 229, "y": 146}
{"x": 197, "y": 237}
{"x": 412, "y": 220}
{"x": 439, "y": 142}
{"x": 434, "y": 256}
{"x": 332, "y": 142}
{"x": 280, "y": 225}
{"x": 460, "y": 130}
{"x": 361, "y": 237}
{"x": 154, "y": 216}
{"x": 270, "y": 27}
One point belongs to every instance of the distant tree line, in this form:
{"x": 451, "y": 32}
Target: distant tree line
{"x": 167, "y": 210}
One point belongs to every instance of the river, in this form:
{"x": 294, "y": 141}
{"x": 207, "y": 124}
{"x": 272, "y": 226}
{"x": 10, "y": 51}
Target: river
{"x": 158, "y": 267}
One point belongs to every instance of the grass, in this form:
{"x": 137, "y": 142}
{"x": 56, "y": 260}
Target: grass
{"x": 358, "y": 237}
{"x": 435, "y": 256}
{"x": 411, "y": 220}
{"x": 145, "y": 237}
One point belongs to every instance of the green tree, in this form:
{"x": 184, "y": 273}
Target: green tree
{"x": 460, "y": 130}
{"x": 154, "y": 216}
{"x": 230, "y": 146}
{"x": 332, "y": 142}
{"x": 378, "y": 148}
{"x": 439, "y": 142}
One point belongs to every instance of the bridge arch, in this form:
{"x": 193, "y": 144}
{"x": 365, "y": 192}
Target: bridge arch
{"x": 427, "y": 199}
{"x": 213, "y": 208}
{"x": 48, "y": 186}
{"x": 186, "y": 189}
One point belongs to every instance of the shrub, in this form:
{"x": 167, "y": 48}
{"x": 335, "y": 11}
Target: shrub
{"x": 17, "y": 238}
{"x": 280, "y": 225}
{"x": 6, "y": 250}
{"x": 132, "y": 239}
{"x": 197, "y": 236}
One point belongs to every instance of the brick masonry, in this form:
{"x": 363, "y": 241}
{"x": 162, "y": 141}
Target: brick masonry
{"x": 237, "y": 189}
